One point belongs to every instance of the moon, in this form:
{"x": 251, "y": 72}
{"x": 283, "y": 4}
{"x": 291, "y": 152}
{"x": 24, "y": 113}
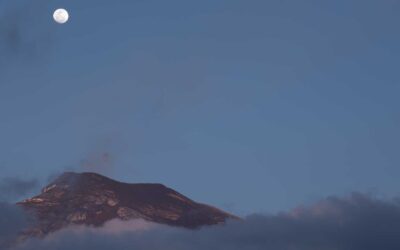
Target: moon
{"x": 61, "y": 16}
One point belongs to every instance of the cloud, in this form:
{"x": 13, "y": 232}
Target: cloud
{"x": 358, "y": 222}
{"x": 14, "y": 188}
{"x": 12, "y": 221}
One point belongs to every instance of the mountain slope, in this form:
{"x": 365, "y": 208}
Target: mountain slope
{"x": 93, "y": 199}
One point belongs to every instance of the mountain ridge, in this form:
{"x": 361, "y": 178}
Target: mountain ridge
{"x": 92, "y": 199}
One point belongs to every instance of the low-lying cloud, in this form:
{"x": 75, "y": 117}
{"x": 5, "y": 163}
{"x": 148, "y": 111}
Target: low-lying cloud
{"x": 358, "y": 222}
{"x": 13, "y": 221}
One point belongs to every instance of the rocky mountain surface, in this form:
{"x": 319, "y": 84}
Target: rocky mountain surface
{"x": 92, "y": 199}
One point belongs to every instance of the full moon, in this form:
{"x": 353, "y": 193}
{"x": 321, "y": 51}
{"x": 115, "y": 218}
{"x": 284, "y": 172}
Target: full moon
{"x": 61, "y": 16}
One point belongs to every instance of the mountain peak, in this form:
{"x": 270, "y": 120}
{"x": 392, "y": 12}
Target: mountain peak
{"x": 93, "y": 199}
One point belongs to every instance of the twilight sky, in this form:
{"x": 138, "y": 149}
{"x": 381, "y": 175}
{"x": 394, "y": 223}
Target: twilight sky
{"x": 253, "y": 106}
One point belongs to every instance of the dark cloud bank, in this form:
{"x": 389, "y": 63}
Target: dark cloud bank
{"x": 12, "y": 221}
{"x": 358, "y": 222}
{"x": 12, "y": 218}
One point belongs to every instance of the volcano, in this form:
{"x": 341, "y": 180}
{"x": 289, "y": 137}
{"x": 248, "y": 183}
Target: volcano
{"x": 92, "y": 199}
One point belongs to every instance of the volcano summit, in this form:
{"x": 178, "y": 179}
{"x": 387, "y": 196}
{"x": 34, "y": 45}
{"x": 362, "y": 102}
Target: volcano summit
{"x": 92, "y": 199}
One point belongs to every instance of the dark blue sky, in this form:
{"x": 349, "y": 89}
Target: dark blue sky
{"x": 248, "y": 105}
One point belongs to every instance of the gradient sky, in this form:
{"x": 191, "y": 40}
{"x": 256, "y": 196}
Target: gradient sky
{"x": 252, "y": 106}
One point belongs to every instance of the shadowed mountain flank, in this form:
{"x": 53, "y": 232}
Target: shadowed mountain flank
{"x": 92, "y": 199}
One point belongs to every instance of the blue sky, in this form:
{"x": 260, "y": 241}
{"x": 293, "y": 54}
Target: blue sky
{"x": 248, "y": 105}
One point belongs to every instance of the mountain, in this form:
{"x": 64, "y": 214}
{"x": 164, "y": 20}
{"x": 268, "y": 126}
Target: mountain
{"x": 92, "y": 199}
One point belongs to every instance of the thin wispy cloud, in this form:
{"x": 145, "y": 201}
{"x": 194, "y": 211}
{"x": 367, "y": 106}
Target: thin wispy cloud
{"x": 23, "y": 36}
{"x": 12, "y": 188}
